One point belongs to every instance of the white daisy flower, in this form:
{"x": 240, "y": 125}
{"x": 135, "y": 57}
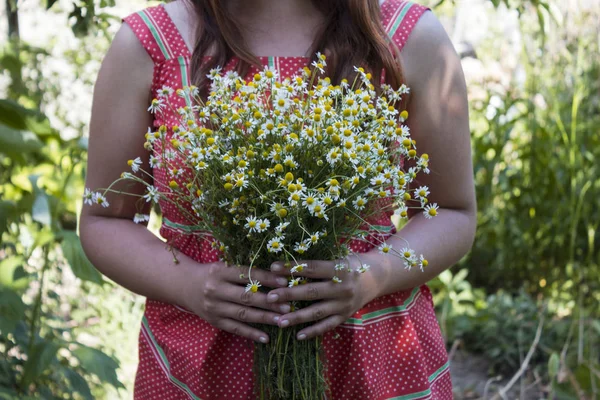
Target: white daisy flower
{"x": 402, "y": 211}
{"x": 99, "y": 198}
{"x": 165, "y": 91}
{"x": 155, "y": 161}
{"x": 263, "y": 225}
{"x": 281, "y": 102}
{"x": 294, "y": 282}
{"x": 385, "y": 248}
{"x": 309, "y": 201}
{"x": 281, "y": 227}
{"x": 407, "y": 253}
{"x": 156, "y": 106}
{"x": 88, "y": 197}
{"x": 379, "y": 180}
{"x": 152, "y": 194}
{"x": 422, "y": 192}
{"x": 137, "y": 218}
{"x": 170, "y": 154}
{"x": 423, "y": 163}
{"x": 317, "y": 208}
{"x": 300, "y": 187}
{"x": 290, "y": 162}
{"x": 251, "y": 224}
{"x": 359, "y": 203}
{"x": 253, "y": 286}
{"x": 411, "y": 262}
{"x": 314, "y": 238}
{"x": 196, "y": 155}
{"x": 334, "y": 156}
{"x": 423, "y": 262}
{"x": 240, "y": 182}
{"x": 431, "y": 210}
{"x": 271, "y": 73}
{"x": 294, "y": 198}
{"x": 135, "y": 164}
{"x": 214, "y": 73}
{"x": 300, "y": 248}
{"x": 364, "y": 268}
{"x": 298, "y": 268}
{"x": 336, "y": 279}
{"x": 230, "y": 77}
{"x": 269, "y": 127}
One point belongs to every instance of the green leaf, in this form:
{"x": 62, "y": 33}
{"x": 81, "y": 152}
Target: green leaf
{"x": 81, "y": 266}
{"x": 553, "y": 365}
{"x": 12, "y": 310}
{"x": 7, "y": 209}
{"x": 40, "y": 359}
{"x": 15, "y": 142}
{"x": 596, "y": 326}
{"x": 15, "y": 116}
{"x": 50, "y": 3}
{"x": 78, "y": 384}
{"x": 460, "y": 276}
{"x": 40, "y": 211}
{"x": 96, "y": 362}
{"x": 9, "y": 394}
{"x": 7, "y": 270}
{"x": 446, "y": 278}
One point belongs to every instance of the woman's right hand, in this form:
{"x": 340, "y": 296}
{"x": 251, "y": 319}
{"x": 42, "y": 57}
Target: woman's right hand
{"x": 216, "y": 293}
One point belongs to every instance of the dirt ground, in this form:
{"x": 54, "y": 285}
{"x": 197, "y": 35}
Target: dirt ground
{"x": 471, "y": 380}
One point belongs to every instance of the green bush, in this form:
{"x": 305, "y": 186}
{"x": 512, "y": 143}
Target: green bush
{"x": 535, "y": 148}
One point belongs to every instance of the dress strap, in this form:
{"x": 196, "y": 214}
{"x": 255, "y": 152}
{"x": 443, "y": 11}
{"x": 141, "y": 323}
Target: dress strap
{"x": 399, "y": 17}
{"x": 158, "y": 34}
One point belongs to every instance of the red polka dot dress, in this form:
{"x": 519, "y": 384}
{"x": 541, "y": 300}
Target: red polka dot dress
{"x": 390, "y": 349}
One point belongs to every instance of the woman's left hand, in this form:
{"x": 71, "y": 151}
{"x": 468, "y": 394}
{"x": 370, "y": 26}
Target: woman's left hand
{"x": 338, "y": 300}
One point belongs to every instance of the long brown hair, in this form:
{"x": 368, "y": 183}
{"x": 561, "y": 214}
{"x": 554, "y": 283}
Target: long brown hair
{"x": 353, "y": 35}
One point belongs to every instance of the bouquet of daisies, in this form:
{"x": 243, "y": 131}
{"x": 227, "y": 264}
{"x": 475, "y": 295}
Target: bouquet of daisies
{"x": 286, "y": 169}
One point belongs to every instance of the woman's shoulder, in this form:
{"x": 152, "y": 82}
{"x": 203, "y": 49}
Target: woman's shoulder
{"x": 428, "y": 49}
{"x": 399, "y": 18}
{"x": 155, "y": 28}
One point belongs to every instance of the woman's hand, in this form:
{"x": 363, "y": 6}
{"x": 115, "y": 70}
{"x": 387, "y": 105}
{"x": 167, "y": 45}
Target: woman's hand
{"x": 339, "y": 300}
{"x": 216, "y": 293}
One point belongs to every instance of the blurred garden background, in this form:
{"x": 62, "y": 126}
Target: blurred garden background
{"x": 519, "y": 313}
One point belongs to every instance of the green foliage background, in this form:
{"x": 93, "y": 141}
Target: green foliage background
{"x": 66, "y": 332}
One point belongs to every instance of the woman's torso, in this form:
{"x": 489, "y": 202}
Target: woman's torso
{"x": 391, "y": 348}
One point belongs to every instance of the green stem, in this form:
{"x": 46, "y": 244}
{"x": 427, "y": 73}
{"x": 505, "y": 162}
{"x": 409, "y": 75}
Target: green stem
{"x": 35, "y": 318}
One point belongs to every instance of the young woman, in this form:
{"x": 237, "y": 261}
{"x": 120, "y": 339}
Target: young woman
{"x": 195, "y": 340}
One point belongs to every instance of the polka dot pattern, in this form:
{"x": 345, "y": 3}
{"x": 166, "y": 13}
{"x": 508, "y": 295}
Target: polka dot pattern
{"x": 394, "y": 346}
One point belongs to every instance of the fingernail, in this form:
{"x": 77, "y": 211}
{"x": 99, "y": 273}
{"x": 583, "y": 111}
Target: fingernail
{"x": 264, "y": 339}
{"x": 276, "y": 267}
{"x": 301, "y": 336}
{"x": 282, "y": 281}
{"x": 272, "y": 298}
{"x": 284, "y": 323}
{"x": 285, "y": 308}
{"x": 276, "y": 318}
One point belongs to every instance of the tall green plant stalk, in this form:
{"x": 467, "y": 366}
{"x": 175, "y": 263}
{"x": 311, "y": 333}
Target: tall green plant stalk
{"x": 36, "y": 315}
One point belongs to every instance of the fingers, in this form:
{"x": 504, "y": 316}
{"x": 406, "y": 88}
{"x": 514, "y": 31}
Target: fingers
{"x": 240, "y": 329}
{"x": 320, "y": 327}
{"x": 316, "y": 269}
{"x": 266, "y": 278}
{"x": 237, "y": 294}
{"x": 311, "y": 291}
{"x": 314, "y": 312}
{"x": 248, "y": 314}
